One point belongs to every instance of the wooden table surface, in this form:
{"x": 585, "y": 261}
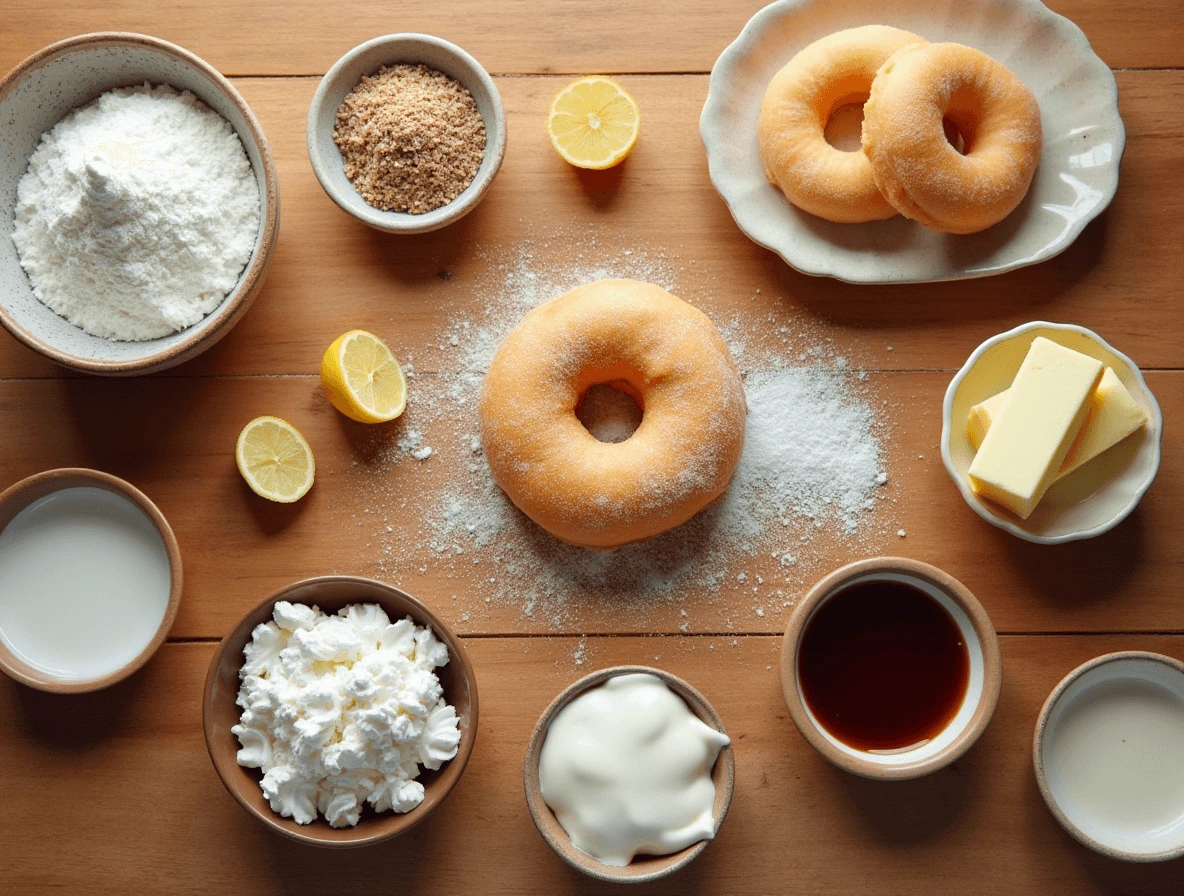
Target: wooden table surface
{"x": 113, "y": 792}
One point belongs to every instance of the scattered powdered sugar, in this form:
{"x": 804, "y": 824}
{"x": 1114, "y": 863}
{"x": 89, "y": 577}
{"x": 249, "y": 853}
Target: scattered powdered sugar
{"x": 810, "y": 490}
{"x": 809, "y": 452}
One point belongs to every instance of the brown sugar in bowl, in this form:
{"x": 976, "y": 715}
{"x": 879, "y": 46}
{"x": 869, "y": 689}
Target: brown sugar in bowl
{"x": 643, "y": 868}
{"x": 19, "y": 496}
{"x": 220, "y": 712}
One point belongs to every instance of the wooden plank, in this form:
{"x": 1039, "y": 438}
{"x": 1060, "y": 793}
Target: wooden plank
{"x": 376, "y": 511}
{"x": 332, "y": 273}
{"x": 121, "y": 779}
{"x": 297, "y": 37}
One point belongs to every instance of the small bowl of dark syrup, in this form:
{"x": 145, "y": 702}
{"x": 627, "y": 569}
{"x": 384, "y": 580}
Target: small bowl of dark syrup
{"x": 890, "y": 668}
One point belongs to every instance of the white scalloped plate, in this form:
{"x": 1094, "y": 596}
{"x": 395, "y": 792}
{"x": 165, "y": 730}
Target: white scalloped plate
{"x": 1075, "y": 181}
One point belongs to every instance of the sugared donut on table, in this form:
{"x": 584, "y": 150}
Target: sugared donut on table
{"x": 653, "y": 346}
{"x": 915, "y": 166}
{"x": 832, "y": 72}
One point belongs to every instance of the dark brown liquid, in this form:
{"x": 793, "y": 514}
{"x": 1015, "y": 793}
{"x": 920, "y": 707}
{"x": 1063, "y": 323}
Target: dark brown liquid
{"x": 883, "y": 666}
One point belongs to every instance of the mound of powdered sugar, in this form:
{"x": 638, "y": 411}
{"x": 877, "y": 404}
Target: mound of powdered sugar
{"x": 812, "y": 481}
{"x": 137, "y": 214}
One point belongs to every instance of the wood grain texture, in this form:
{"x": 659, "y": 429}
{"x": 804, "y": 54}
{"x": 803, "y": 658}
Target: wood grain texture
{"x": 113, "y": 792}
{"x": 174, "y": 438}
{"x": 509, "y": 36}
{"x": 140, "y": 808}
{"x": 660, "y": 205}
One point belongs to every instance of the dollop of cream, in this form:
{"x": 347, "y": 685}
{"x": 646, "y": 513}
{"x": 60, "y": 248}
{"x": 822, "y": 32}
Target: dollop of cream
{"x": 626, "y": 768}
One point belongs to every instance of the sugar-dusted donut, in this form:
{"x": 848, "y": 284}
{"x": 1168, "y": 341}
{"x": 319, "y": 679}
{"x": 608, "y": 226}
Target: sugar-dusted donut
{"x": 799, "y": 102}
{"x": 917, "y": 94}
{"x": 647, "y": 343}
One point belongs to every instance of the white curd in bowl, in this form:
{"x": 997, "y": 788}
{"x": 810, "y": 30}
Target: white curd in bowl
{"x": 626, "y": 768}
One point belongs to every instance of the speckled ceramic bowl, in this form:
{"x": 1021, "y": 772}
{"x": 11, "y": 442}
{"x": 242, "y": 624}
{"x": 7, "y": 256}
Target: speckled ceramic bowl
{"x": 39, "y": 93}
{"x": 1077, "y": 177}
{"x": 366, "y": 59}
{"x": 1092, "y": 499}
{"x": 1139, "y": 674}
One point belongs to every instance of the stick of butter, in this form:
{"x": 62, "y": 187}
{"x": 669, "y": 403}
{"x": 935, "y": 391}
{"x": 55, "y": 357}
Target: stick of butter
{"x": 1114, "y": 415}
{"x": 1026, "y": 444}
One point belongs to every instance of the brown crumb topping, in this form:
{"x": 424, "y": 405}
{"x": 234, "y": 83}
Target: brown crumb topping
{"x": 411, "y": 138}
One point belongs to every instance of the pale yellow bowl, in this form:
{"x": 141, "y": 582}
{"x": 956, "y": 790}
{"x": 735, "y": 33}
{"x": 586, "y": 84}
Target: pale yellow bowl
{"x": 1092, "y": 499}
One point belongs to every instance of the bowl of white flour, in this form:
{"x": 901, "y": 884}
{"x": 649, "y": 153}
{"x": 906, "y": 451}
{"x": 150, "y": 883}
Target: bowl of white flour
{"x": 139, "y": 203}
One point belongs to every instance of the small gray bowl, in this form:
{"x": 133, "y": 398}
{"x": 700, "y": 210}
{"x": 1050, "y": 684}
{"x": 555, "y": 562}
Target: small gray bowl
{"x": 367, "y": 58}
{"x": 39, "y": 93}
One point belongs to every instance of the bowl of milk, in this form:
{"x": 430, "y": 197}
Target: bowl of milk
{"x": 90, "y": 580}
{"x": 1109, "y": 755}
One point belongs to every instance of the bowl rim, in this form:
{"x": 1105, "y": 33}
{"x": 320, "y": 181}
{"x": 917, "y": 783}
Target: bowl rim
{"x": 980, "y": 507}
{"x": 1038, "y": 754}
{"x": 725, "y": 763}
{"x": 770, "y": 16}
{"x": 223, "y": 318}
{"x": 393, "y": 824}
{"x": 831, "y": 584}
{"x": 20, "y": 495}
{"x": 402, "y": 222}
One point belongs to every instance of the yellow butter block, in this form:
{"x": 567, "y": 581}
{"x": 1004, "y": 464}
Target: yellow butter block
{"x": 1026, "y": 444}
{"x": 981, "y": 416}
{"x": 1113, "y": 416}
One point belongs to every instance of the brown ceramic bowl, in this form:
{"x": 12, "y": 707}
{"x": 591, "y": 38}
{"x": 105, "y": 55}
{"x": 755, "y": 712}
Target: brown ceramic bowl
{"x": 219, "y": 711}
{"x": 19, "y": 496}
{"x": 982, "y": 693}
{"x": 642, "y": 868}
{"x": 1139, "y": 671}
{"x": 34, "y": 97}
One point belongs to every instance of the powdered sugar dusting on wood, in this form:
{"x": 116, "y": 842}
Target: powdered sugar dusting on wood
{"x": 812, "y": 489}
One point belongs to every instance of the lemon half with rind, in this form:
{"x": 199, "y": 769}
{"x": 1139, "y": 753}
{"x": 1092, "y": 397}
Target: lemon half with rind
{"x": 362, "y": 379}
{"x": 594, "y": 123}
{"x": 275, "y": 460}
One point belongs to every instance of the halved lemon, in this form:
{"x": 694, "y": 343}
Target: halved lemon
{"x": 594, "y": 122}
{"x": 362, "y": 379}
{"x": 275, "y": 460}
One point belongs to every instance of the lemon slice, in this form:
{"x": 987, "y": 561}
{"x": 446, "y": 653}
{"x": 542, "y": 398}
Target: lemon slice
{"x": 594, "y": 122}
{"x": 362, "y": 379}
{"x": 275, "y": 460}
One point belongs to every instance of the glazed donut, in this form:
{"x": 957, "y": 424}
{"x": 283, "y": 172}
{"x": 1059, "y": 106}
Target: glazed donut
{"x": 799, "y": 102}
{"x": 647, "y": 343}
{"x": 920, "y": 91}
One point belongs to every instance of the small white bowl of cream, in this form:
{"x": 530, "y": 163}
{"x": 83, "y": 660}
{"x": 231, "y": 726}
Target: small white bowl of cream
{"x": 1109, "y": 755}
{"x": 90, "y": 580}
{"x": 629, "y": 773}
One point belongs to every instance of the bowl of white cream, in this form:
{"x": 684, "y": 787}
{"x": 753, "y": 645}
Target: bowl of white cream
{"x": 629, "y": 773}
{"x": 139, "y": 204}
{"x": 1109, "y": 755}
{"x": 340, "y": 711}
{"x": 90, "y": 580}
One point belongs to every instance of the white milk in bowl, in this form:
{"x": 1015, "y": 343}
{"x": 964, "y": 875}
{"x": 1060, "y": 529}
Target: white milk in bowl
{"x": 84, "y": 583}
{"x": 1114, "y": 756}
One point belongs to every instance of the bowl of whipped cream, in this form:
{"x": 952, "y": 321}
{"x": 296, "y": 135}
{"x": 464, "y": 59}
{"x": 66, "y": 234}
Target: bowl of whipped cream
{"x": 139, "y": 201}
{"x": 629, "y": 773}
{"x": 340, "y": 711}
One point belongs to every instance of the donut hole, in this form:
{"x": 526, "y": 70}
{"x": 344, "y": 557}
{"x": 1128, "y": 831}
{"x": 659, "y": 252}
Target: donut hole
{"x": 844, "y": 123}
{"x": 611, "y": 412}
{"x": 953, "y": 135}
{"x": 961, "y": 120}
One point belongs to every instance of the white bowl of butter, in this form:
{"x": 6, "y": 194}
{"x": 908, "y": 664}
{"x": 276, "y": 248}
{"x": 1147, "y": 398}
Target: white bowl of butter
{"x": 1090, "y": 499}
